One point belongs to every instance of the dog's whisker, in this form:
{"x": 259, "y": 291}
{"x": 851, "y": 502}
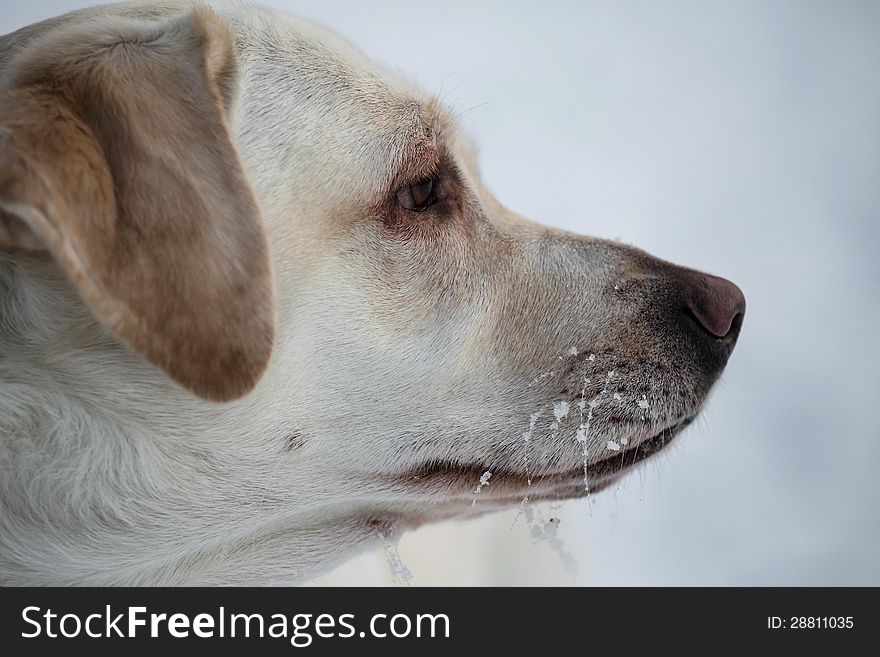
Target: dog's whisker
{"x": 439, "y": 94}
{"x": 520, "y": 510}
{"x": 474, "y": 107}
{"x": 527, "y": 436}
{"x": 583, "y": 431}
{"x": 458, "y": 85}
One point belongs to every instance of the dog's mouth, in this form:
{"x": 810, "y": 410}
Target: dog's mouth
{"x": 626, "y": 459}
{"x": 504, "y": 485}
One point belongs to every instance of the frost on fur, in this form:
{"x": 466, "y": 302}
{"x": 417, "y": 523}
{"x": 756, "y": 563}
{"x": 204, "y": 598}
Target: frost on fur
{"x": 399, "y": 572}
{"x": 484, "y": 481}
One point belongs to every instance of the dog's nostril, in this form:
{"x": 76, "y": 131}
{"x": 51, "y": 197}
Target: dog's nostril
{"x": 735, "y": 326}
{"x": 717, "y": 304}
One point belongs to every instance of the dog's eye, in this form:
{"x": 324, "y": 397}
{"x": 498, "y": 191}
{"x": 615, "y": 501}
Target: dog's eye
{"x": 418, "y": 196}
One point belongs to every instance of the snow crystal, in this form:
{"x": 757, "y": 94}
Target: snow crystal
{"x": 613, "y": 446}
{"x": 484, "y": 481}
{"x": 540, "y": 378}
{"x": 521, "y": 509}
{"x": 643, "y": 403}
{"x": 571, "y": 351}
{"x": 560, "y": 410}
{"x": 399, "y": 571}
{"x": 617, "y": 396}
{"x": 591, "y": 357}
{"x": 532, "y": 419}
{"x": 583, "y": 431}
{"x": 548, "y": 531}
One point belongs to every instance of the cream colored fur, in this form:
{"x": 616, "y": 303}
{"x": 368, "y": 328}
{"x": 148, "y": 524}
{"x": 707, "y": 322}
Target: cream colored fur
{"x": 410, "y": 350}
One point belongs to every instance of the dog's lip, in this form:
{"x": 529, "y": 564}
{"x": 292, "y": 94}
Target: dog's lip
{"x": 625, "y": 459}
{"x": 466, "y": 477}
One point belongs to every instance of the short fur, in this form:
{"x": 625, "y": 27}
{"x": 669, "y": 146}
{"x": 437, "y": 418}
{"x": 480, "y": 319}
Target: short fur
{"x": 229, "y": 355}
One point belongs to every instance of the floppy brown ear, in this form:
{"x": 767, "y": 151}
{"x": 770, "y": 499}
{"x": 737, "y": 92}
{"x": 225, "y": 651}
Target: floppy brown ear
{"x": 115, "y": 156}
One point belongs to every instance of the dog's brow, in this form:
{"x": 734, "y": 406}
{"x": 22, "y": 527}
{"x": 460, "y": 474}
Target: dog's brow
{"x": 419, "y": 144}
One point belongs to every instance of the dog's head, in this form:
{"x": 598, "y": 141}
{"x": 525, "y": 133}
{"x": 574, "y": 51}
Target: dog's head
{"x": 237, "y": 225}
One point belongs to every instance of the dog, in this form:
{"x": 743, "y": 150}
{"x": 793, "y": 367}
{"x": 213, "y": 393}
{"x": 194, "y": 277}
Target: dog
{"x": 258, "y": 312}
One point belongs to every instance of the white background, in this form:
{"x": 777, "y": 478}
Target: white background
{"x": 742, "y": 138}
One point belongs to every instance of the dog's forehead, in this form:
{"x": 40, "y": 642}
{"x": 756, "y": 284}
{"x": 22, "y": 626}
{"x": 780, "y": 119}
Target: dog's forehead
{"x": 306, "y": 84}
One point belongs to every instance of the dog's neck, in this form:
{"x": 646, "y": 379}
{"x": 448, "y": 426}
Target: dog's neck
{"x": 145, "y": 485}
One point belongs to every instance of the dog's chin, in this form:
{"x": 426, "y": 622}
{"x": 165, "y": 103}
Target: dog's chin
{"x": 507, "y": 486}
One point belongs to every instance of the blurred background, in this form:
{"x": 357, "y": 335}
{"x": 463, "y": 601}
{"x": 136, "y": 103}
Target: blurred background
{"x": 741, "y": 138}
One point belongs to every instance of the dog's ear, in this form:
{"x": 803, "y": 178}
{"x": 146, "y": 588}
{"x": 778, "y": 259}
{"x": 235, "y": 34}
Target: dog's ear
{"x": 116, "y": 158}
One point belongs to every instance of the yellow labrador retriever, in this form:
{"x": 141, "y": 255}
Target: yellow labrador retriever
{"x": 258, "y": 312}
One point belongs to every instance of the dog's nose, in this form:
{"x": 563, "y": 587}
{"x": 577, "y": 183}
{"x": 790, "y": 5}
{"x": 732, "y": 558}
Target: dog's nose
{"x": 717, "y": 304}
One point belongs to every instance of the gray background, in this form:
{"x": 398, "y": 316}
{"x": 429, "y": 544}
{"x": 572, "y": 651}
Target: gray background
{"x": 742, "y": 138}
